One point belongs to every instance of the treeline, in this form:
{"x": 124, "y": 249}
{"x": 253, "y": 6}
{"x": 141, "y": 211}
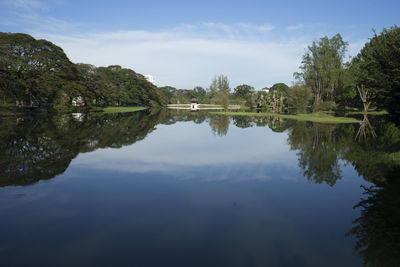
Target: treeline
{"x": 326, "y": 80}
{"x": 37, "y": 71}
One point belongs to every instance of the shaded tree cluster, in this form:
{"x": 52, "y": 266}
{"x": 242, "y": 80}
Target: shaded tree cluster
{"x": 38, "y": 71}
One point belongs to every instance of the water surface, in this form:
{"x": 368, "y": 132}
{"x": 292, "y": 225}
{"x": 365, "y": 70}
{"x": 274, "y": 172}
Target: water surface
{"x": 160, "y": 188}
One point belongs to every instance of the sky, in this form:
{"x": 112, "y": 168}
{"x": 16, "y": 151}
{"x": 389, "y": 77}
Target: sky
{"x": 186, "y": 43}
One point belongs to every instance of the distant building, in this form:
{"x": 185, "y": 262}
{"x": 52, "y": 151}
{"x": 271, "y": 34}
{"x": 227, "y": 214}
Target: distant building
{"x": 78, "y": 101}
{"x": 194, "y": 104}
{"x": 265, "y": 89}
{"x": 150, "y": 78}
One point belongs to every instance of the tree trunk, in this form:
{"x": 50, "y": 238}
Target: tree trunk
{"x": 363, "y": 92}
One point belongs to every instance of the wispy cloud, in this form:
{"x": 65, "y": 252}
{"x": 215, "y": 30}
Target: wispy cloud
{"x": 295, "y": 27}
{"x": 184, "y": 56}
{"x": 191, "y": 55}
{"x": 35, "y": 22}
{"x": 24, "y": 4}
{"x": 258, "y": 28}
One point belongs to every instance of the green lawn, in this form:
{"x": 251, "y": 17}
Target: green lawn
{"x": 370, "y": 112}
{"x": 322, "y": 118}
{"x": 122, "y": 109}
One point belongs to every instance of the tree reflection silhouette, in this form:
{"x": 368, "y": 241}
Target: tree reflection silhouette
{"x": 38, "y": 149}
{"x": 219, "y": 124}
{"x": 377, "y": 230}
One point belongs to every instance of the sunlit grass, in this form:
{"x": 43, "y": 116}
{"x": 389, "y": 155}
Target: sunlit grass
{"x": 122, "y": 109}
{"x": 315, "y": 117}
{"x": 370, "y": 112}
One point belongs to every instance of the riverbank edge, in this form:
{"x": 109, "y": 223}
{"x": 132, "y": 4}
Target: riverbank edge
{"x": 314, "y": 117}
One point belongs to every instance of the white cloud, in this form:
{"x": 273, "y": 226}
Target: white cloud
{"x": 295, "y": 27}
{"x": 260, "y": 28}
{"x": 191, "y": 55}
{"x": 178, "y": 150}
{"x": 45, "y": 23}
{"x": 24, "y": 4}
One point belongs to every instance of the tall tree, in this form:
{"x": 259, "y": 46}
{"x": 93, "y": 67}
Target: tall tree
{"x": 223, "y": 84}
{"x": 278, "y": 94}
{"x": 323, "y": 67}
{"x": 214, "y": 85}
{"x": 377, "y": 67}
{"x": 35, "y": 69}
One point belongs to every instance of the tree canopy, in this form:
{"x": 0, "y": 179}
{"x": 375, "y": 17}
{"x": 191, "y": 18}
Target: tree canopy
{"x": 322, "y": 67}
{"x": 37, "y": 70}
{"x": 377, "y": 67}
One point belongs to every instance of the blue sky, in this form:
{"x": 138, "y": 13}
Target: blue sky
{"x": 186, "y": 43}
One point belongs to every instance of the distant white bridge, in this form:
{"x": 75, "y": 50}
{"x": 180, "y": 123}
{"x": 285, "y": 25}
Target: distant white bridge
{"x": 201, "y": 106}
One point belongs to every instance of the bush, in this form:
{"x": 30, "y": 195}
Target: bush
{"x": 299, "y": 97}
{"x": 324, "y": 106}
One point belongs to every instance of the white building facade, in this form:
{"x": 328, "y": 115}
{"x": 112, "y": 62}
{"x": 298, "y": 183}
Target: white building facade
{"x": 150, "y": 78}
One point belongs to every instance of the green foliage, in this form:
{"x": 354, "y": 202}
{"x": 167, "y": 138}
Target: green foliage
{"x": 34, "y": 70}
{"x": 377, "y": 67}
{"x": 38, "y": 71}
{"x": 243, "y": 91}
{"x": 219, "y": 125}
{"x": 299, "y": 97}
{"x": 282, "y": 88}
{"x": 122, "y": 109}
{"x": 277, "y": 98}
{"x": 323, "y": 67}
{"x": 324, "y": 106}
{"x": 320, "y": 118}
{"x": 41, "y": 148}
{"x": 199, "y": 91}
{"x": 220, "y": 84}
{"x": 377, "y": 230}
{"x": 221, "y": 98}
{"x": 169, "y": 92}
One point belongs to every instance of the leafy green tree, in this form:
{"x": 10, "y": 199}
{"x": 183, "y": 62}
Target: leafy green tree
{"x": 170, "y": 93}
{"x": 221, "y": 98}
{"x": 322, "y": 67}
{"x": 243, "y": 91}
{"x": 280, "y": 87}
{"x": 36, "y": 69}
{"x": 377, "y": 67}
{"x": 199, "y": 91}
{"x": 214, "y": 86}
{"x": 220, "y": 84}
{"x": 278, "y": 97}
{"x": 299, "y": 97}
{"x": 223, "y": 84}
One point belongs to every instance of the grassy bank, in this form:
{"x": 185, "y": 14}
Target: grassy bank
{"x": 122, "y": 109}
{"x": 322, "y": 118}
{"x": 373, "y": 112}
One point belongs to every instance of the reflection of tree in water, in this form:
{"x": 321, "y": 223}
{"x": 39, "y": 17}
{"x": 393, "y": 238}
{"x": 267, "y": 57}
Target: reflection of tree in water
{"x": 39, "y": 149}
{"x": 319, "y": 150}
{"x": 366, "y": 130}
{"x": 275, "y": 123}
{"x": 378, "y": 228}
{"x": 219, "y": 124}
{"x": 243, "y": 121}
{"x": 175, "y": 115}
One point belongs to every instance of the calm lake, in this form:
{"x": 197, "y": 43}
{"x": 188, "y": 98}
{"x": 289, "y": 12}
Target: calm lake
{"x": 169, "y": 188}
